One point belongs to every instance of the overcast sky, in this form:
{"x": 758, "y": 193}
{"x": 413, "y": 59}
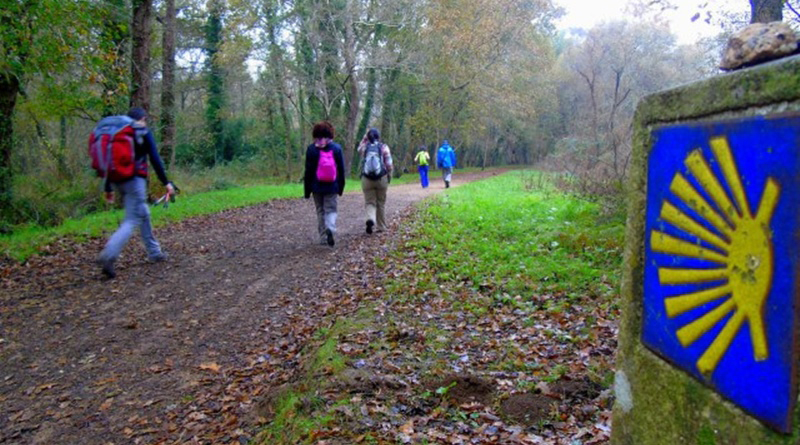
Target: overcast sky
{"x": 587, "y": 13}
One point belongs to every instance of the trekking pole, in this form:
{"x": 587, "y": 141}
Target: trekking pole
{"x": 164, "y": 199}
{"x": 168, "y": 197}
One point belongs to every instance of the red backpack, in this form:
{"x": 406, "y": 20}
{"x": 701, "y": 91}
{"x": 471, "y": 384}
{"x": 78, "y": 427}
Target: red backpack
{"x": 112, "y": 148}
{"x": 326, "y": 168}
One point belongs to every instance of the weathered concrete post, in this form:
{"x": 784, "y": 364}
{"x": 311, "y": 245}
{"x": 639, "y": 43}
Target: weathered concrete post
{"x": 708, "y": 339}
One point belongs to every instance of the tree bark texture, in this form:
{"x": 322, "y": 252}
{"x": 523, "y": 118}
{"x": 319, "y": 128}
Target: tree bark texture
{"x": 167, "y": 120}
{"x": 765, "y": 11}
{"x": 353, "y": 99}
{"x": 140, "y": 54}
{"x": 369, "y": 102}
{"x": 216, "y": 87}
{"x": 390, "y": 94}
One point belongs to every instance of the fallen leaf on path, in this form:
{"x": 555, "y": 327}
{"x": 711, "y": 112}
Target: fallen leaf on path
{"x": 408, "y": 427}
{"x": 213, "y": 367}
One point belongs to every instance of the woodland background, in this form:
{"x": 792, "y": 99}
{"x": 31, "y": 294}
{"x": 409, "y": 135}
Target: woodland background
{"x": 234, "y": 86}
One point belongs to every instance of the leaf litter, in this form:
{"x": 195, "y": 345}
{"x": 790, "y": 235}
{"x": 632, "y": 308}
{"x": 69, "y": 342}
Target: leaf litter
{"x": 202, "y": 349}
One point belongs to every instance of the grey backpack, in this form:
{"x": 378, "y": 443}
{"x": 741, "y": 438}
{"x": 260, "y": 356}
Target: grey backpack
{"x": 373, "y": 161}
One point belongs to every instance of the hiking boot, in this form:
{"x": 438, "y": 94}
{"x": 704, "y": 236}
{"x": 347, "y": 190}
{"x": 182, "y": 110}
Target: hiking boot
{"x": 107, "y": 268}
{"x": 329, "y": 236}
{"x": 370, "y": 223}
{"x": 158, "y": 258}
{"x": 447, "y": 184}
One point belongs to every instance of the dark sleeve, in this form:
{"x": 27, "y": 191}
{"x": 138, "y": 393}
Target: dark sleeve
{"x": 341, "y": 173}
{"x": 308, "y": 176}
{"x": 155, "y": 159}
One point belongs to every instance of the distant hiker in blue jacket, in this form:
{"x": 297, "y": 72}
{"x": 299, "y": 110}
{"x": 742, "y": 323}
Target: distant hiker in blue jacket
{"x": 324, "y": 179}
{"x": 446, "y": 161}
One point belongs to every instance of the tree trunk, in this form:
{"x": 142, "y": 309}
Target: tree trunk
{"x": 352, "y": 99}
{"x": 116, "y": 31}
{"x": 765, "y": 11}
{"x": 9, "y": 88}
{"x": 140, "y": 79}
{"x": 287, "y": 124}
{"x": 369, "y": 101}
{"x": 167, "y": 120}
{"x": 276, "y": 59}
{"x": 390, "y": 96}
{"x": 307, "y": 102}
{"x": 216, "y": 88}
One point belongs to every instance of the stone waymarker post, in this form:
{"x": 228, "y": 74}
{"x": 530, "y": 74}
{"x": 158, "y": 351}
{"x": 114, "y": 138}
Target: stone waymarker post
{"x": 708, "y": 339}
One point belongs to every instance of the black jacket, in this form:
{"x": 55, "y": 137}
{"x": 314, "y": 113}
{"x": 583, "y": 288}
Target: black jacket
{"x": 310, "y": 183}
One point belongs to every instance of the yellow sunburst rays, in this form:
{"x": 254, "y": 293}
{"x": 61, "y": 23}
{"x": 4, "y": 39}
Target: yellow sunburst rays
{"x": 743, "y": 255}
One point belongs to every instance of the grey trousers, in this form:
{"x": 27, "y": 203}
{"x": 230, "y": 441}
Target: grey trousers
{"x": 137, "y": 214}
{"x": 447, "y": 173}
{"x": 326, "y": 213}
{"x": 375, "y": 199}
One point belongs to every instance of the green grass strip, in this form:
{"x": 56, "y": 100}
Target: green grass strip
{"x": 516, "y": 233}
{"x": 29, "y": 240}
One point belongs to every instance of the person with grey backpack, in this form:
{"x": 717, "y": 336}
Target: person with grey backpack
{"x": 376, "y": 173}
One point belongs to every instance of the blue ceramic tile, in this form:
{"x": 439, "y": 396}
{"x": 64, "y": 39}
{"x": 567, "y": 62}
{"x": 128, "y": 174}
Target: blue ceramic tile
{"x": 720, "y": 268}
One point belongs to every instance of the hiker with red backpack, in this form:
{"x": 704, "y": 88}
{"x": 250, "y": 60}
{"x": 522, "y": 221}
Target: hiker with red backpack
{"x": 120, "y": 147}
{"x": 324, "y": 179}
{"x": 376, "y": 173}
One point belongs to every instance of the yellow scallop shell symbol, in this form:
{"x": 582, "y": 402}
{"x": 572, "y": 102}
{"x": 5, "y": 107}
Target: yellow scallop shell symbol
{"x": 740, "y": 254}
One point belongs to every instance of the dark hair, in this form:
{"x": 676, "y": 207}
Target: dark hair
{"x": 137, "y": 113}
{"x": 373, "y": 135}
{"x": 323, "y": 129}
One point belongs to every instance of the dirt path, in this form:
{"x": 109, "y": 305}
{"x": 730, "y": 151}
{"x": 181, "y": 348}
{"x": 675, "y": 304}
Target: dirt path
{"x": 177, "y": 352}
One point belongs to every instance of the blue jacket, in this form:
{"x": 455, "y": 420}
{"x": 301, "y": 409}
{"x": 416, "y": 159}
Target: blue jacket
{"x": 446, "y": 158}
{"x": 310, "y": 183}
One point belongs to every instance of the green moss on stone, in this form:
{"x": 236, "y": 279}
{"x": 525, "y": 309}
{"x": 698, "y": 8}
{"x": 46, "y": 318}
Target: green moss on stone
{"x": 706, "y": 437}
{"x": 670, "y": 407}
{"x": 767, "y": 84}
